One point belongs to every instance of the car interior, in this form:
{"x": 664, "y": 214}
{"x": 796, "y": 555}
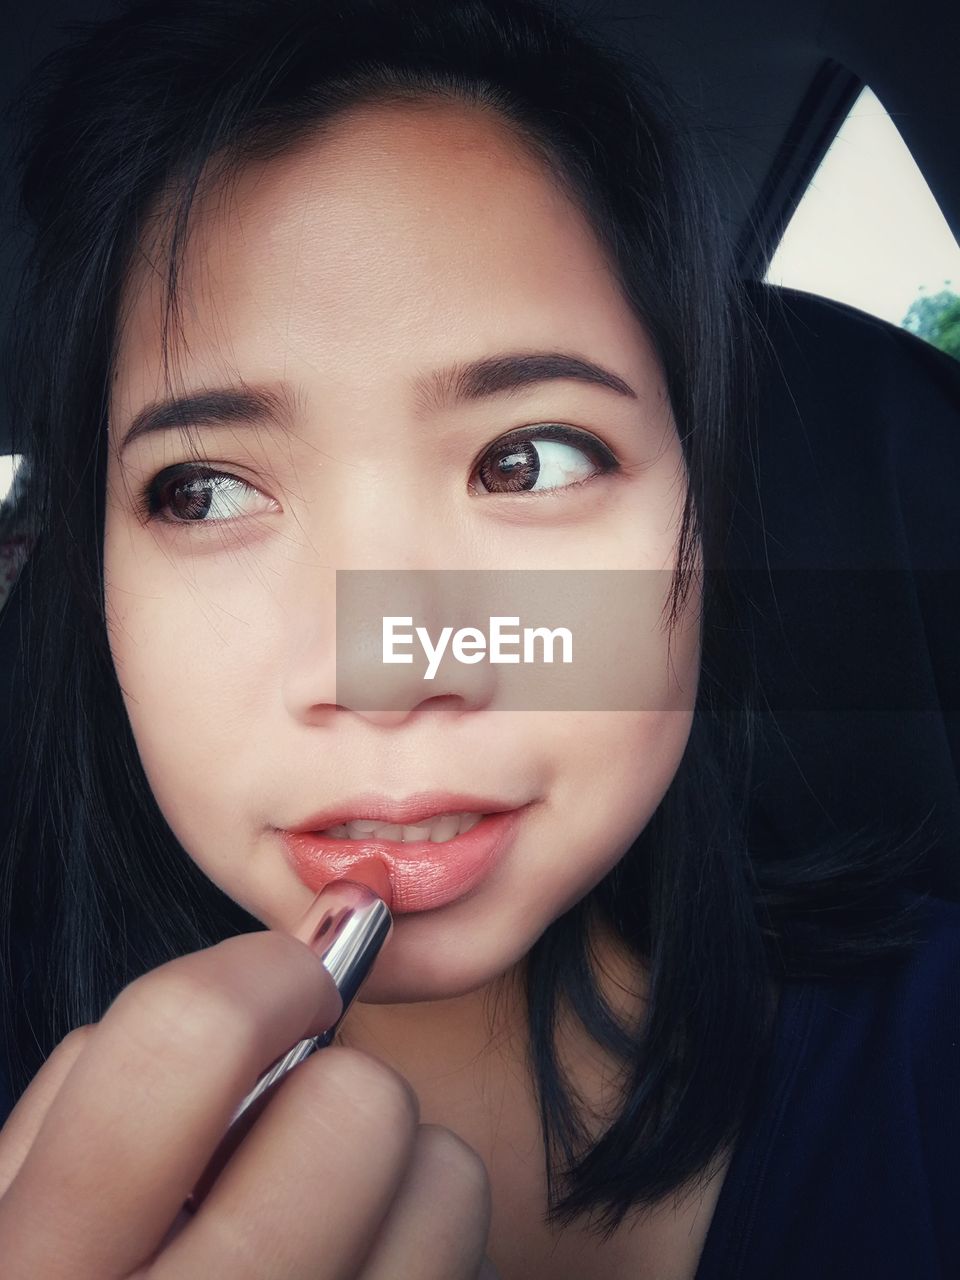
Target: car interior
{"x": 847, "y": 520}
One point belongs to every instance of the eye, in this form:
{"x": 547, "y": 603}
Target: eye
{"x": 193, "y": 493}
{"x": 537, "y": 460}
{"x": 543, "y": 459}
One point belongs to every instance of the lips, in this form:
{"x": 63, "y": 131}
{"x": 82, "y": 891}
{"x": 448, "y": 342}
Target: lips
{"x": 424, "y": 875}
{"x": 402, "y": 812}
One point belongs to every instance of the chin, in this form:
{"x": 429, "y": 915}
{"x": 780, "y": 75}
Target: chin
{"x": 423, "y": 962}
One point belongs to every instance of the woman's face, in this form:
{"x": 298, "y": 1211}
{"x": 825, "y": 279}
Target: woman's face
{"x": 337, "y": 279}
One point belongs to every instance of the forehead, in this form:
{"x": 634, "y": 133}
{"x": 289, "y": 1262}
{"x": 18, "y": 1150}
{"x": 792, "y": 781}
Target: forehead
{"x": 426, "y": 230}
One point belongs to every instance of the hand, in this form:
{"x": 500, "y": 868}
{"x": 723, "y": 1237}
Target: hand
{"x": 335, "y": 1180}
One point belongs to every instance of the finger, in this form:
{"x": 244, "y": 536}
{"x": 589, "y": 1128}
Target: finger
{"x": 146, "y": 1103}
{"x": 24, "y": 1121}
{"x": 305, "y": 1192}
{"x": 438, "y": 1225}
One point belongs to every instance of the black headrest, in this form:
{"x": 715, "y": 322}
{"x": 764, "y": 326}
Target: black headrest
{"x": 849, "y": 540}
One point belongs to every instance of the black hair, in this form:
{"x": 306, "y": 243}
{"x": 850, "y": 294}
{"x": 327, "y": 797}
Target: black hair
{"x": 96, "y": 890}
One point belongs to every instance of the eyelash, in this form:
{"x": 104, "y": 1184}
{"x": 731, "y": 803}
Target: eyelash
{"x": 150, "y": 503}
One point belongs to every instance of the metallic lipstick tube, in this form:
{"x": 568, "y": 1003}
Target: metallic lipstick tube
{"x": 346, "y": 926}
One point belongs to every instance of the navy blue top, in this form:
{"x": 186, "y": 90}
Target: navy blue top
{"x": 850, "y": 1169}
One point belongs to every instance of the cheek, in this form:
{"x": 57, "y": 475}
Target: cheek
{"x": 189, "y": 668}
{"x": 617, "y": 768}
{"x": 610, "y": 771}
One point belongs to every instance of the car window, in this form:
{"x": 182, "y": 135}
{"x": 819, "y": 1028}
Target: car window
{"x": 14, "y": 542}
{"x": 8, "y": 469}
{"x": 868, "y": 232}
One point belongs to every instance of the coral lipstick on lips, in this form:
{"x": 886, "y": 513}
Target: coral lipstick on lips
{"x": 424, "y": 874}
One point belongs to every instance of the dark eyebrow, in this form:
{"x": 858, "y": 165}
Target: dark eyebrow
{"x": 206, "y": 408}
{"x": 455, "y": 384}
{"x": 465, "y": 382}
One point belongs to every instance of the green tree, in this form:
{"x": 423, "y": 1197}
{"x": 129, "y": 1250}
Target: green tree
{"x": 937, "y": 319}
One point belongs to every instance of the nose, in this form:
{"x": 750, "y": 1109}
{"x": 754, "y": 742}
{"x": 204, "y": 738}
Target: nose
{"x": 390, "y": 629}
{"x": 387, "y": 651}
{"x": 431, "y": 579}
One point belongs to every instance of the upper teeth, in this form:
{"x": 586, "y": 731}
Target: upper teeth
{"x": 444, "y": 827}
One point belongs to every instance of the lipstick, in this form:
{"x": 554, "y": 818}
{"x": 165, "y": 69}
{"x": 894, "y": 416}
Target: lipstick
{"x": 423, "y": 874}
{"x": 346, "y": 926}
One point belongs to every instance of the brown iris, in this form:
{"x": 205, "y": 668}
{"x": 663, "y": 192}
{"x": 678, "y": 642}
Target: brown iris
{"x": 516, "y": 464}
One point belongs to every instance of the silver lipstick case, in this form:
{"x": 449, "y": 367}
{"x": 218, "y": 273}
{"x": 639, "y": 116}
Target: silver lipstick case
{"x": 346, "y": 927}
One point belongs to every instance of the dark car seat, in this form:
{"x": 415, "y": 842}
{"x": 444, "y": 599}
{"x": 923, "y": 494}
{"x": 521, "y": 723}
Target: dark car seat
{"x": 850, "y": 540}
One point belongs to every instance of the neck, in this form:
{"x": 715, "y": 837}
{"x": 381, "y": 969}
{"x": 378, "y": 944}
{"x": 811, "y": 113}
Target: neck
{"x": 468, "y": 1060}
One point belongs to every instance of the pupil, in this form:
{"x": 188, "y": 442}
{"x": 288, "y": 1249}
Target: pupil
{"x": 517, "y": 464}
{"x": 199, "y": 497}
